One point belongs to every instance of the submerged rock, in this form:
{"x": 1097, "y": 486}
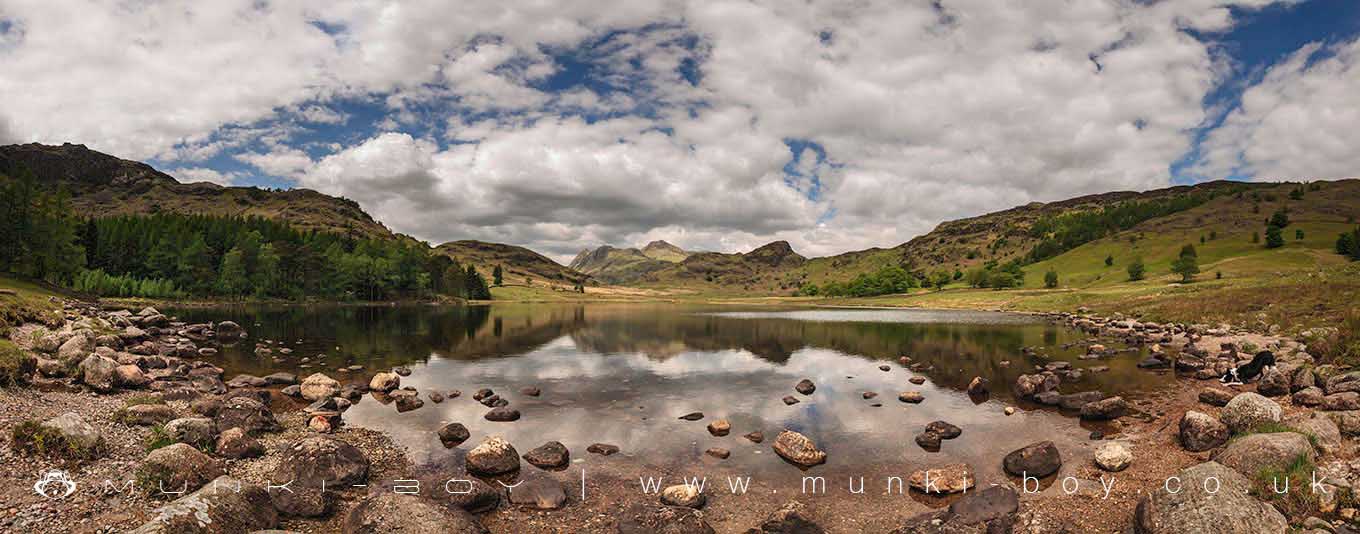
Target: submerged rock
{"x": 944, "y": 429}
{"x": 798, "y": 449}
{"x": 602, "y": 449}
{"x": 952, "y": 478}
{"x": 805, "y": 387}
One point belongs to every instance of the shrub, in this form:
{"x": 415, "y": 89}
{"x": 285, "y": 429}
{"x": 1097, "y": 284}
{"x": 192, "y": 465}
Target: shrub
{"x": 1136, "y": 270}
{"x": 1109, "y": 260}
{"x": 1051, "y": 279}
{"x": 16, "y": 365}
{"x": 1274, "y": 238}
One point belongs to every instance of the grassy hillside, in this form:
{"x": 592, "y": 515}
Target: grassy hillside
{"x": 107, "y": 185}
{"x": 518, "y": 263}
{"x": 22, "y": 302}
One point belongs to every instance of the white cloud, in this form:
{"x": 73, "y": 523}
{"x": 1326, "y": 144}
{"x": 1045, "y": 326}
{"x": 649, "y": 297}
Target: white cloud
{"x": 203, "y": 174}
{"x": 927, "y": 111}
{"x": 1299, "y": 122}
{"x": 282, "y": 161}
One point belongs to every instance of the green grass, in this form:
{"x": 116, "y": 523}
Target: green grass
{"x": 16, "y": 366}
{"x": 22, "y": 302}
{"x": 32, "y": 438}
{"x": 157, "y": 438}
{"x": 1298, "y": 501}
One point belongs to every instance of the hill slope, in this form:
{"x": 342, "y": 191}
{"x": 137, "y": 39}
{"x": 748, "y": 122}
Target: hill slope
{"x": 518, "y": 262}
{"x": 104, "y": 184}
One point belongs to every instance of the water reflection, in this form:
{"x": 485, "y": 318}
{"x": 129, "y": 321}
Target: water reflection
{"x": 623, "y": 374}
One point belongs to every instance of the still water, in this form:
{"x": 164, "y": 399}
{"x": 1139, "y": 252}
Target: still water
{"x": 623, "y": 374}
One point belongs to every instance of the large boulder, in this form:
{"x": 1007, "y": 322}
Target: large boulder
{"x": 200, "y": 432}
{"x": 76, "y": 348}
{"x": 1249, "y": 410}
{"x": 1325, "y": 433}
{"x": 798, "y": 449}
{"x": 990, "y": 510}
{"x": 1036, "y": 459}
{"x": 130, "y": 377}
{"x": 1215, "y": 396}
{"x": 223, "y": 506}
{"x": 1201, "y": 432}
{"x": 1275, "y": 382}
{"x": 176, "y": 467}
{"x": 319, "y": 386}
{"x": 98, "y": 373}
{"x": 1342, "y": 383}
{"x": 494, "y": 456}
{"x": 1347, "y": 421}
{"x": 1229, "y": 509}
{"x": 387, "y": 512}
{"x": 1252, "y": 453}
{"x": 306, "y": 465}
{"x": 246, "y": 414}
{"x": 550, "y": 455}
{"x": 76, "y": 438}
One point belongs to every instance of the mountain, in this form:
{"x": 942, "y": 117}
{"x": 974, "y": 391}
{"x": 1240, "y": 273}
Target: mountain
{"x": 107, "y": 185}
{"x": 759, "y": 270}
{"x": 518, "y": 262}
{"x": 627, "y": 265}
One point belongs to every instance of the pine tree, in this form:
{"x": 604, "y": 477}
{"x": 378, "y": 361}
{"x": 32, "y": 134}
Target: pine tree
{"x": 498, "y": 276}
{"x": 1051, "y": 279}
{"x": 1274, "y": 238}
{"x": 1136, "y": 270}
{"x": 1109, "y": 260}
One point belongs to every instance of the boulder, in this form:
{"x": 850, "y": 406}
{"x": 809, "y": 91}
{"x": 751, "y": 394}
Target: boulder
{"x": 1201, "y": 432}
{"x": 798, "y": 449}
{"x": 494, "y": 456}
{"x": 944, "y": 429}
{"x": 235, "y": 443}
{"x": 319, "y": 386}
{"x": 683, "y": 495}
{"x": 1325, "y": 433}
{"x": 952, "y": 478}
{"x": 76, "y": 348}
{"x": 1248, "y": 410}
{"x": 81, "y": 439}
{"x": 911, "y": 397}
{"x": 805, "y": 387}
{"x": 223, "y": 506}
{"x": 602, "y": 449}
{"x": 1341, "y": 383}
{"x": 1113, "y": 456}
{"x": 1309, "y": 396}
{"x": 1215, "y": 396}
{"x": 719, "y": 427}
{"x": 791, "y": 518}
{"x": 308, "y": 464}
{"x": 550, "y": 455}
{"x": 384, "y": 382}
{"x": 453, "y": 434}
{"x": 129, "y": 377}
{"x": 1346, "y": 400}
{"x": 200, "y": 432}
{"x": 1275, "y": 382}
{"x": 176, "y": 467}
{"x": 1074, "y": 401}
{"x": 502, "y": 414}
{"x": 247, "y": 381}
{"x": 539, "y": 492}
{"x": 1105, "y": 409}
{"x": 1251, "y": 454}
{"x": 978, "y": 386}
{"x": 1036, "y": 459}
{"x": 1348, "y": 421}
{"x": 281, "y": 379}
{"x": 230, "y": 330}
{"x": 247, "y": 414}
{"x": 386, "y": 512}
{"x": 1231, "y": 509}
{"x": 1027, "y": 386}
{"x": 990, "y": 510}
{"x": 929, "y": 441}
{"x": 98, "y": 373}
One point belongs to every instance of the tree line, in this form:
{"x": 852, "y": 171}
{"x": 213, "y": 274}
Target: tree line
{"x": 174, "y": 255}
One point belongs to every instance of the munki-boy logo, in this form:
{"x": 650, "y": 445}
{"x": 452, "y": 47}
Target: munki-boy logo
{"x": 55, "y": 485}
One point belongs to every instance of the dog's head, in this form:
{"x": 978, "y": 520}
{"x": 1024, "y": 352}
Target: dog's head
{"x": 1229, "y": 377}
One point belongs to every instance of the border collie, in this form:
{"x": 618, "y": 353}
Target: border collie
{"x": 1262, "y": 362}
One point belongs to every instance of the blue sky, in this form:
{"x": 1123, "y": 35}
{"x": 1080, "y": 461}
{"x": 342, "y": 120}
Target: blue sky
{"x": 716, "y": 125}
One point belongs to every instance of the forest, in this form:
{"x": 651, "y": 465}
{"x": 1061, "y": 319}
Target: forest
{"x": 1070, "y": 230}
{"x": 176, "y": 256}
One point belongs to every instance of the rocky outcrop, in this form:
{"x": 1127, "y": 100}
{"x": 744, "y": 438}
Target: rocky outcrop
{"x": 1251, "y": 454}
{"x": 1229, "y": 510}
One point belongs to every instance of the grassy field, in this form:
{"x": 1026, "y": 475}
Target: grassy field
{"x": 22, "y": 301}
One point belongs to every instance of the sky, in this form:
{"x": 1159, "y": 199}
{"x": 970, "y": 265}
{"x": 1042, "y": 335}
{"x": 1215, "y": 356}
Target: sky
{"x": 715, "y": 124}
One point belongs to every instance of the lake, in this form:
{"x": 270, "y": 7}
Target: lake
{"x": 624, "y": 373}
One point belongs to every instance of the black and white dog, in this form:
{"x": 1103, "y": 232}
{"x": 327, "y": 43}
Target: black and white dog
{"x": 1262, "y": 362}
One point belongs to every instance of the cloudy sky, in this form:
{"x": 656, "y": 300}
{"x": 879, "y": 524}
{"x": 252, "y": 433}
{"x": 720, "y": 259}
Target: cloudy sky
{"x": 718, "y": 125}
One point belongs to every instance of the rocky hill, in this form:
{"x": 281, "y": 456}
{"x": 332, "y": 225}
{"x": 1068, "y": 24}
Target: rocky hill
{"x": 107, "y": 185}
{"x": 627, "y": 265}
{"x": 518, "y": 262}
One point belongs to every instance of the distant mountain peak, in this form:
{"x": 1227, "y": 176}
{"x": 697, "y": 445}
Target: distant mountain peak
{"x": 775, "y": 253}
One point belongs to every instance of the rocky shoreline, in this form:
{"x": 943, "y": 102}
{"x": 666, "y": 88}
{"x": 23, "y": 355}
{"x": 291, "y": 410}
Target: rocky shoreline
{"x": 129, "y": 398}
